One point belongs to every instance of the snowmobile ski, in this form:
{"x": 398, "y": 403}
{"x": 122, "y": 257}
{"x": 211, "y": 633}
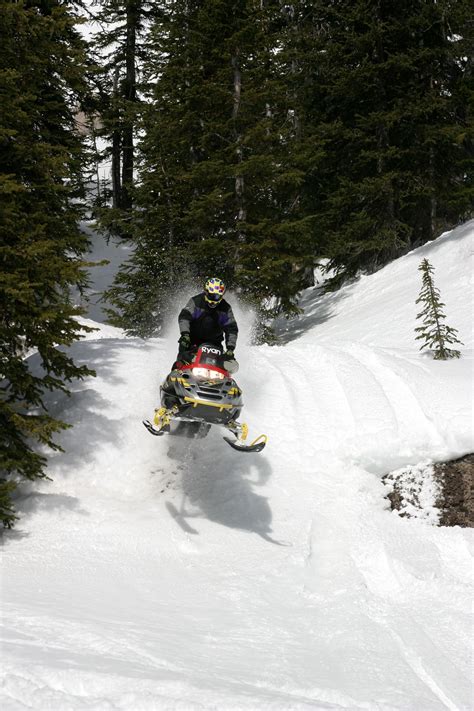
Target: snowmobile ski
{"x": 152, "y": 429}
{"x": 161, "y": 421}
{"x": 256, "y": 446}
{"x": 241, "y": 431}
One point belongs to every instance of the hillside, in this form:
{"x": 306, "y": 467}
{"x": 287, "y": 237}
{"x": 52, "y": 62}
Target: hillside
{"x": 158, "y": 573}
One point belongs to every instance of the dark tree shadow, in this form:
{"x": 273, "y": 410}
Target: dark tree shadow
{"x": 30, "y": 501}
{"x": 39, "y": 501}
{"x": 90, "y": 429}
{"x": 84, "y": 407}
{"x": 318, "y": 307}
{"x": 8, "y": 535}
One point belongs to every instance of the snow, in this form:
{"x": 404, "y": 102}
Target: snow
{"x": 419, "y": 491}
{"x": 107, "y": 255}
{"x": 163, "y": 574}
{"x": 380, "y": 310}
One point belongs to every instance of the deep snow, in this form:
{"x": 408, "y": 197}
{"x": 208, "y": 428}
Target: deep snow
{"x": 162, "y": 574}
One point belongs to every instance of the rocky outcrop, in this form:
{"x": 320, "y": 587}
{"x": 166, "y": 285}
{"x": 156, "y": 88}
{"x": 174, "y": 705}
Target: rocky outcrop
{"x": 456, "y": 479}
{"x": 441, "y": 493}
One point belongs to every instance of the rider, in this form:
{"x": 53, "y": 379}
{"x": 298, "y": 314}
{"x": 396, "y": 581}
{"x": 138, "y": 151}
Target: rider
{"x": 207, "y": 318}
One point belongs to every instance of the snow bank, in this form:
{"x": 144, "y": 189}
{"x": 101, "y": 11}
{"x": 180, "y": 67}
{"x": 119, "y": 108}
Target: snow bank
{"x": 380, "y": 310}
{"x": 101, "y": 330}
{"x": 412, "y": 408}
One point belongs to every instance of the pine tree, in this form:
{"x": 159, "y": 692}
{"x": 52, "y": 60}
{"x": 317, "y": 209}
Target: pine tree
{"x": 41, "y": 84}
{"x": 435, "y": 334}
{"x": 218, "y": 191}
{"x": 120, "y": 49}
{"x": 388, "y": 125}
{"x": 278, "y": 134}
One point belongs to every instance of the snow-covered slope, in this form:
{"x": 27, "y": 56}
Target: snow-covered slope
{"x": 108, "y": 256}
{"x": 162, "y": 574}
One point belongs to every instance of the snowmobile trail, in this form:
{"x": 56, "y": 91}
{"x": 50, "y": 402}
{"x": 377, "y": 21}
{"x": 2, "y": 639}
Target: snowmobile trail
{"x": 158, "y": 572}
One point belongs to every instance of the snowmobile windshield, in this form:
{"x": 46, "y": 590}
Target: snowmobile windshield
{"x": 208, "y": 356}
{"x": 207, "y": 364}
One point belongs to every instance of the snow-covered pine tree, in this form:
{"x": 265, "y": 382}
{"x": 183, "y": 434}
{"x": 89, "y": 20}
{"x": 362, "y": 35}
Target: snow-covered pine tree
{"x": 435, "y": 334}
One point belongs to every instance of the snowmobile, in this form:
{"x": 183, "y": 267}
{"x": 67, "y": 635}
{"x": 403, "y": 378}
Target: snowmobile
{"x": 199, "y": 394}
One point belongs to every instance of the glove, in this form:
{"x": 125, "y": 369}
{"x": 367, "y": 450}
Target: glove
{"x": 230, "y": 364}
{"x": 184, "y": 342}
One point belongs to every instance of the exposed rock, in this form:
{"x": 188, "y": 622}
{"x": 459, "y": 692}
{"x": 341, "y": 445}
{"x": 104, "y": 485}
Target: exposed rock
{"x": 441, "y": 493}
{"x": 456, "y": 479}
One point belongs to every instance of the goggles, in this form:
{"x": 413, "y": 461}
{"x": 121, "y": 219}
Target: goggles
{"x": 213, "y": 298}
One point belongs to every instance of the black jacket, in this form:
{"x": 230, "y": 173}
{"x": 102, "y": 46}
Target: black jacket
{"x": 207, "y": 324}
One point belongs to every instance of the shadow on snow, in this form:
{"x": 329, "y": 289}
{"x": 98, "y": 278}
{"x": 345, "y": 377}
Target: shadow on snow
{"x": 218, "y": 484}
{"x": 88, "y": 411}
{"x": 318, "y": 307}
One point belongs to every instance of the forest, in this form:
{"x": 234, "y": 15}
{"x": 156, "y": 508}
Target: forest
{"x": 254, "y": 140}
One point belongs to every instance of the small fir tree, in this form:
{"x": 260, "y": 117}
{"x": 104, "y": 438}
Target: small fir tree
{"x": 436, "y": 335}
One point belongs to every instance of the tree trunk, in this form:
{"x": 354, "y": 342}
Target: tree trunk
{"x": 239, "y": 179}
{"x": 432, "y": 180}
{"x": 130, "y": 96}
{"x": 295, "y": 31}
{"x": 96, "y": 162}
{"x": 116, "y": 149}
